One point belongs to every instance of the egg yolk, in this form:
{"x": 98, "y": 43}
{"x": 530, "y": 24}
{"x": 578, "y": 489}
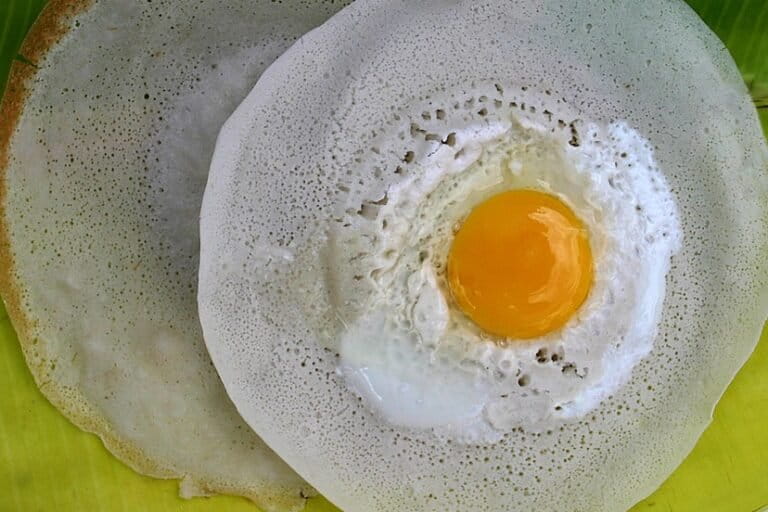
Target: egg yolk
{"x": 520, "y": 265}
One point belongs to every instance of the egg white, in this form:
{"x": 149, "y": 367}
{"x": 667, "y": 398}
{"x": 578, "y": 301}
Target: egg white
{"x": 419, "y": 362}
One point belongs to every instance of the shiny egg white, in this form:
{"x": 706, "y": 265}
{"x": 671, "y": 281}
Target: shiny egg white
{"x": 408, "y": 350}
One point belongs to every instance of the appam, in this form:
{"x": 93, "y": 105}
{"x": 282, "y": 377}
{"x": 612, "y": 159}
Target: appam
{"x": 310, "y": 143}
{"x": 106, "y": 138}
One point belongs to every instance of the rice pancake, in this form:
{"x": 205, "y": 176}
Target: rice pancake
{"x": 327, "y": 142}
{"x": 105, "y": 145}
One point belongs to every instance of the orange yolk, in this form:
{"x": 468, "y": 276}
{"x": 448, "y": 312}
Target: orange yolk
{"x": 520, "y": 265}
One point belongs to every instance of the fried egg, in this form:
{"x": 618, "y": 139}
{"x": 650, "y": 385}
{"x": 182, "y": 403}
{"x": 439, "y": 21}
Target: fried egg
{"x": 515, "y": 277}
{"x": 360, "y": 208}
